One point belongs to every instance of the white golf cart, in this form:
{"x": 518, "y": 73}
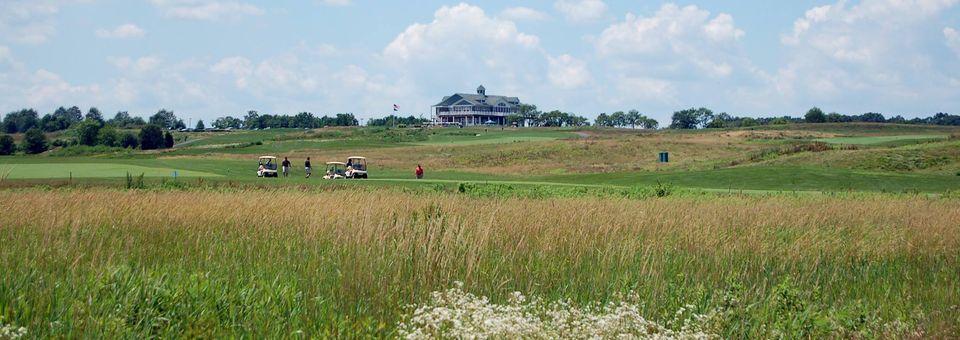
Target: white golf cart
{"x": 267, "y": 167}
{"x": 336, "y": 170}
{"x": 356, "y": 167}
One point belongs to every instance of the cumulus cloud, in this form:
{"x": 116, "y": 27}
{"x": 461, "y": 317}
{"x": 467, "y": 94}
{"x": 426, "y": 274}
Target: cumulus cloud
{"x": 209, "y": 10}
{"x": 523, "y": 14}
{"x": 28, "y": 21}
{"x": 877, "y": 50}
{"x": 125, "y": 31}
{"x": 567, "y": 72}
{"x": 673, "y": 38}
{"x": 581, "y": 10}
{"x": 461, "y": 29}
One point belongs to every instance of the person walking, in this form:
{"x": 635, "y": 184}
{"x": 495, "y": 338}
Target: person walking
{"x": 286, "y": 167}
{"x": 419, "y": 172}
{"x": 306, "y": 167}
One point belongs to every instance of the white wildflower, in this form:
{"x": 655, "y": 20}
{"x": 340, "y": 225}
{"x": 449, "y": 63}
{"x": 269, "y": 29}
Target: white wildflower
{"x": 11, "y": 331}
{"x": 457, "y": 314}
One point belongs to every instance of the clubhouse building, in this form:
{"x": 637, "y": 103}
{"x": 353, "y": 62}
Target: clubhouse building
{"x": 475, "y": 109}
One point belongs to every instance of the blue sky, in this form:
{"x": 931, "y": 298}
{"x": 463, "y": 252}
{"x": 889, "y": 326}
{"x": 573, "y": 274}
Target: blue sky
{"x": 209, "y": 58}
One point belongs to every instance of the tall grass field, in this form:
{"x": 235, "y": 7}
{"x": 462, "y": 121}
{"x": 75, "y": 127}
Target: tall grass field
{"x": 345, "y": 263}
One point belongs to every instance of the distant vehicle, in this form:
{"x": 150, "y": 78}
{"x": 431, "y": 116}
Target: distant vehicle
{"x": 336, "y": 170}
{"x": 356, "y": 167}
{"x": 267, "y": 166}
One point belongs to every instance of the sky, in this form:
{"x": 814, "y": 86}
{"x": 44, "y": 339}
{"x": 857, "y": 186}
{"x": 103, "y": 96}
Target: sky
{"x": 210, "y": 58}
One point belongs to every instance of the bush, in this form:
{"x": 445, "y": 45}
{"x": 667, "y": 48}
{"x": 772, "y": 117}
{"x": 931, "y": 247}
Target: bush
{"x": 7, "y": 147}
{"x": 168, "y": 140}
{"x": 151, "y": 137}
{"x": 34, "y": 141}
{"x": 129, "y": 141}
{"x": 87, "y": 132}
{"x": 108, "y": 136}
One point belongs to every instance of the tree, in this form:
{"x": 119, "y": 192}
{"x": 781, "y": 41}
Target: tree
{"x": 649, "y": 123}
{"x": 618, "y": 119}
{"x": 94, "y": 115}
{"x": 34, "y": 141}
{"x": 252, "y": 120}
{"x": 129, "y": 141}
{"x": 167, "y": 120}
{"x": 7, "y": 147}
{"x": 168, "y": 140}
{"x": 603, "y": 119}
{"x": 691, "y": 118}
{"x": 151, "y": 137}
{"x": 21, "y": 121}
{"x": 633, "y": 118}
{"x": 108, "y": 136}
{"x": 227, "y": 122}
{"x": 200, "y": 126}
{"x": 87, "y": 132}
{"x": 815, "y": 115}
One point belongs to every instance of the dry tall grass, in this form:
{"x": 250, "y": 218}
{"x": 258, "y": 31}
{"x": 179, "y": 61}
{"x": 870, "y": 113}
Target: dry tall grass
{"x": 354, "y": 260}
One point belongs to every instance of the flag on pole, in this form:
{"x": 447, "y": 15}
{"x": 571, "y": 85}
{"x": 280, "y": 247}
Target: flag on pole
{"x": 396, "y": 107}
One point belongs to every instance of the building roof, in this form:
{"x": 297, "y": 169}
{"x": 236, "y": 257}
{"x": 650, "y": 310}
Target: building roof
{"x": 478, "y": 100}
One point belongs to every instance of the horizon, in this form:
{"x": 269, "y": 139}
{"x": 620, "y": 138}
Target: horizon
{"x": 750, "y": 59}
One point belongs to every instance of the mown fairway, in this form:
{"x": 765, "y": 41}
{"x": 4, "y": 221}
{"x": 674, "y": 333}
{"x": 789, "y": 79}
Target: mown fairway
{"x": 795, "y": 231}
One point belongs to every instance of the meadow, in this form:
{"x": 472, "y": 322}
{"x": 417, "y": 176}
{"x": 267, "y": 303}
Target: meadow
{"x": 796, "y": 231}
{"x": 348, "y": 262}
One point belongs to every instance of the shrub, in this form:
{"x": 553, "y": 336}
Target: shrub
{"x": 34, "y": 141}
{"x": 168, "y": 140}
{"x": 151, "y": 137}
{"x": 108, "y": 136}
{"x": 87, "y": 132}
{"x": 7, "y": 147}
{"x": 129, "y": 141}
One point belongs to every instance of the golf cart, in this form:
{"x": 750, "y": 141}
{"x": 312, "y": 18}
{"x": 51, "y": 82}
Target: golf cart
{"x": 356, "y": 167}
{"x": 336, "y": 170}
{"x": 267, "y": 167}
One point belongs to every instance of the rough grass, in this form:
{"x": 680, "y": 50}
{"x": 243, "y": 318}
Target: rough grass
{"x": 284, "y": 263}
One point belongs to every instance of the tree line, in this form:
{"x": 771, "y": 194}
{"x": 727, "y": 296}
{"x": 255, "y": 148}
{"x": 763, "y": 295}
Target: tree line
{"x": 697, "y": 118}
{"x": 303, "y": 120}
{"x": 393, "y": 120}
{"x": 529, "y": 115}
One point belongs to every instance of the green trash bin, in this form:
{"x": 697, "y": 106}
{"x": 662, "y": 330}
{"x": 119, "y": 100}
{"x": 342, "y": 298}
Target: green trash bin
{"x": 664, "y": 157}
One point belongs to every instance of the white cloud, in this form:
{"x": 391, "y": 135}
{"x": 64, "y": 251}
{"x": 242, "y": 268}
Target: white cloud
{"x": 673, "y": 39}
{"x": 581, "y": 10}
{"x": 879, "y": 51}
{"x": 462, "y": 29}
{"x": 125, "y": 31}
{"x": 239, "y": 67}
{"x": 28, "y": 21}
{"x": 209, "y": 10}
{"x": 953, "y": 39}
{"x": 567, "y": 72}
{"x": 523, "y": 14}
{"x": 135, "y": 66}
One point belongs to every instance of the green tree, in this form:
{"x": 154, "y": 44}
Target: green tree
{"x": 603, "y": 119}
{"x": 633, "y": 118}
{"x": 129, "y": 141}
{"x": 200, "y": 126}
{"x": 168, "y": 140}
{"x": 815, "y": 115}
{"x": 21, "y": 121}
{"x": 34, "y": 141}
{"x": 167, "y": 120}
{"x": 151, "y": 137}
{"x": 108, "y": 136}
{"x": 7, "y": 147}
{"x": 87, "y": 132}
{"x": 691, "y": 118}
{"x": 618, "y": 119}
{"x": 94, "y": 114}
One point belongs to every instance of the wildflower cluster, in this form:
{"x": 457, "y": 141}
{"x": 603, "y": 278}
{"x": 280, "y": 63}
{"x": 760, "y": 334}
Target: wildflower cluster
{"x": 11, "y": 331}
{"x": 456, "y": 314}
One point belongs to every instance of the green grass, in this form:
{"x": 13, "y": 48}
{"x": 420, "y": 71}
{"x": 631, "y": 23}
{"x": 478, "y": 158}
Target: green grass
{"x": 882, "y": 140}
{"x": 90, "y": 170}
